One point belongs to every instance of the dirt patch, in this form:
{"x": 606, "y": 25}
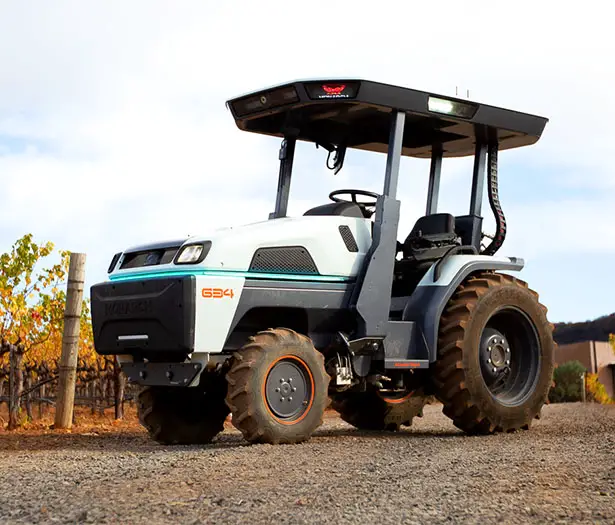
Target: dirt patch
{"x": 562, "y": 470}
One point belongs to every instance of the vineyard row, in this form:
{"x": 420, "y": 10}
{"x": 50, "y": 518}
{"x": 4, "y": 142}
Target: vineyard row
{"x": 30, "y": 390}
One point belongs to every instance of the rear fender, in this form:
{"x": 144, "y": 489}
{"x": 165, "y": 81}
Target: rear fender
{"x": 431, "y": 296}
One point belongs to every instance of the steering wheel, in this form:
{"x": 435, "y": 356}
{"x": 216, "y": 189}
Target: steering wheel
{"x": 363, "y": 205}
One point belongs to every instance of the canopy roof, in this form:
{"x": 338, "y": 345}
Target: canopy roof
{"x": 357, "y": 113}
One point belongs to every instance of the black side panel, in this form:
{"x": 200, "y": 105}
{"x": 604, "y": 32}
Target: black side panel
{"x": 317, "y": 310}
{"x": 144, "y": 317}
{"x": 428, "y": 302}
{"x": 285, "y": 259}
{"x": 403, "y": 343}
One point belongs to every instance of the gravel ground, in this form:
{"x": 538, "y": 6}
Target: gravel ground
{"x": 562, "y": 470}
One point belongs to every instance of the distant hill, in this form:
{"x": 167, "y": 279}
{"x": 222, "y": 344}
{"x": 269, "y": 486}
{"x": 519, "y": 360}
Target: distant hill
{"x": 596, "y": 330}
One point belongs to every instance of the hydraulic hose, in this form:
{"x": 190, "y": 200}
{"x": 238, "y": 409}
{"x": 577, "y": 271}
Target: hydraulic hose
{"x": 494, "y": 202}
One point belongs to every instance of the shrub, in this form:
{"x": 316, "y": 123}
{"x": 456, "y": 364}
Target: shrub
{"x": 568, "y": 381}
{"x": 596, "y": 391}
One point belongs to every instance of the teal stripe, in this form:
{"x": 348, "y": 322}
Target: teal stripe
{"x": 230, "y": 273}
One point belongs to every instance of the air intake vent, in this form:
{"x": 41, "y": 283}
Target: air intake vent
{"x": 287, "y": 259}
{"x": 348, "y": 238}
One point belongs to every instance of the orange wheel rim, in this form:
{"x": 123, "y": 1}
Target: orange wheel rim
{"x": 395, "y": 400}
{"x": 281, "y": 396}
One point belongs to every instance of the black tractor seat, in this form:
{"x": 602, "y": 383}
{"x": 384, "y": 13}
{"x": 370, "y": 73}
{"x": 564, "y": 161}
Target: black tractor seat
{"x": 431, "y": 237}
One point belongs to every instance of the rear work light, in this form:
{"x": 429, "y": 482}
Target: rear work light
{"x": 451, "y": 107}
{"x": 266, "y": 100}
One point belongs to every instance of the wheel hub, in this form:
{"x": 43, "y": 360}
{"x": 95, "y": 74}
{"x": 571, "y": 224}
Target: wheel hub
{"x": 495, "y": 355}
{"x": 497, "y": 351}
{"x": 287, "y": 390}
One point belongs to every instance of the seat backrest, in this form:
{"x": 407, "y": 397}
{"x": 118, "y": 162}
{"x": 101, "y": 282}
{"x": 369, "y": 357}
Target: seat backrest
{"x": 433, "y": 228}
{"x": 344, "y": 209}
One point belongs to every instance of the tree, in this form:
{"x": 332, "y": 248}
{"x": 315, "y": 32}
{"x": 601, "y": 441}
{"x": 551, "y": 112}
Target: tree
{"x": 31, "y": 308}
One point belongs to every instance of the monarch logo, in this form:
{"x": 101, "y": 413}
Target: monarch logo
{"x": 140, "y": 306}
{"x": 217, "y": 293}
{"x": 334, "y": 90}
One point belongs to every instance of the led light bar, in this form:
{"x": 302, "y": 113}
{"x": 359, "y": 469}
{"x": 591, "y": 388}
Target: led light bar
{"x": 451, "y": 107}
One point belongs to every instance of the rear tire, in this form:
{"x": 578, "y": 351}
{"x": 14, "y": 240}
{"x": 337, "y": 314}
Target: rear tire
{"x": 372, "y": 410}
{"x": 277, "y": 388}
{"x": 495, "y": 356}
{"x": 184, "y": 415}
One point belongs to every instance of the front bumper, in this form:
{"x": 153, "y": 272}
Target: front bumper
{"x": 145, "y": 318}
{"x": 162, "y": 374}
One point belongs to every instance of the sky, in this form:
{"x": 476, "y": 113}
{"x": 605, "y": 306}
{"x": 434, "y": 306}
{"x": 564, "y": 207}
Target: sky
{"x": 114, "y": 129}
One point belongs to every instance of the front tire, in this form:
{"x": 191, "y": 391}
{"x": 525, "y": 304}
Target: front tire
{"x": 184, "y": 415}
{"x": 277, "y": 388}
{"x": 495, "y": 355}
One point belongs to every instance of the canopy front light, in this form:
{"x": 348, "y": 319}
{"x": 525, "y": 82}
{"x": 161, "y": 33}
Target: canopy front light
{"x": 451, "y": 107}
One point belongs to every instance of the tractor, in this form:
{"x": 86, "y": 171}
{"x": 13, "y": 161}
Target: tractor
{"x": 273, "y": 322}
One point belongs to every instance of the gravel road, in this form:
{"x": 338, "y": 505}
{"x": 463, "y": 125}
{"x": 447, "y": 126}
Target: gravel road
{"x": 562, "y": 470}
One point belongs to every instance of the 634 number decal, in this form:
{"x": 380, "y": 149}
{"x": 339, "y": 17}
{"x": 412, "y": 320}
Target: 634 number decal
{"x": 217, "y": 293}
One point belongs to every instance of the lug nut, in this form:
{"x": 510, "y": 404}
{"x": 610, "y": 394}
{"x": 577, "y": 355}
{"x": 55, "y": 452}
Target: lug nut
{"x": 281, "y": 380}
{"x": 277, "y": 389}
{"x": 508, "y": 362}
{"x": 290, "y": 399}
{"x": 495, "y": 369}
{"x": 294, "y": 389}
{"x": 489, "y": 360}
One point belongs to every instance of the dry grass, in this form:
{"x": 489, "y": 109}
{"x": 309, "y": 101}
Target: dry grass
{"x": 84, "y": 421}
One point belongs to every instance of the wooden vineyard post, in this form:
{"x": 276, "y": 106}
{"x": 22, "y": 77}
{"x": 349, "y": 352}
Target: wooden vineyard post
{"x": 70, "y": 342}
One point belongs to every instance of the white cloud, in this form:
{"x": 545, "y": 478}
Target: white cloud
{"x": 123, "y": 107}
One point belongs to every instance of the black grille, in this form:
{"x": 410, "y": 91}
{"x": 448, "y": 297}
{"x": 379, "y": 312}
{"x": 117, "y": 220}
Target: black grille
{"x": 348, "y": 238}
{"x": 292, "y": 259}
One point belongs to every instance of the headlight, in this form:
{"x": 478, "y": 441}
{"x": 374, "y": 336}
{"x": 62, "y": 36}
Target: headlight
{"x": 192, "y": 253}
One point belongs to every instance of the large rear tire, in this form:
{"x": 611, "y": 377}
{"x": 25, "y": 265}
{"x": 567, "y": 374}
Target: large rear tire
{"x": 495, "y": 355}
{"x": 184, "y": 415}
{"x": 277, "y": 388}
{"x": 372, "y": 410}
